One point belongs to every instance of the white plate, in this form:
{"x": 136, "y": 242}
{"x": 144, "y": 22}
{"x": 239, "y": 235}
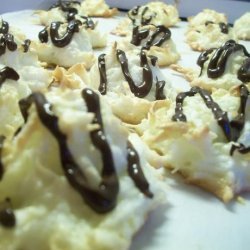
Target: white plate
{"x": 193, "y": 219}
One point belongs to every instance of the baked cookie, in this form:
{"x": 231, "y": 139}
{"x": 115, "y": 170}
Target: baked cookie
{"x": 68, "y": 44}
{"x": 154, "y": 40}
{"x": 72, "y": 177}
{"x": 209, "y": 35}
{"x": 130, "y": 81}
{"x": 65, "y": 11}
{"x": 155, "y": 13}
{"x": 241, "y": 27}
{"x": 207, "y": 15}
{"x": 224, "y": 67}
{"x": 204, "y": 137}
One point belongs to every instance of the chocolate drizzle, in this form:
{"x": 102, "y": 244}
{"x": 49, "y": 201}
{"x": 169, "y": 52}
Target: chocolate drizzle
{"x": 144, "y": 88}
{"x": 140, "y": 90}
{"x": 135, "y": 12}
{"x": 43, "y": 35}
{"x": 224, "y": 28}
{"x": 26, "y": 45}
{"x": 217, "y": 64}
{"x": 2, "y": 138}
{"x": 8, "y": 73}
{"x": 7, "y": 216}
{"x": 139, "y": 35}
{"x": 72, "y": 27}
{"x": 103, "y": 198}
{"x": 244, "y": 71}
{"x": 153, "y": 40}
{"x": 67, "y": 7}
{"x": 7, "y": 41}
{"x": 159, "y": 92}
{"x": 103, "y": 76}
{"x": 135, "y": 171}
{"x": 232, "y": 129}
{"x": 4, "y": 28}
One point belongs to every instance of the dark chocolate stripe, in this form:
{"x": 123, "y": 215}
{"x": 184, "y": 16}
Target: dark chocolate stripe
{"x": 7, "y": 41}
{"x": 103, "y": 76}
{"x": 72, "y": 27}
{"x": 138, "y": 35}
{"x": 8, "y": 73}
{"x": 26, "y": 45}
{"x": 244, "y": 71}
{"x": 232, "y": 129}
{"x": 144, "y": 88}
{"x": 154, "y": 39}
{"x": 159, "y": 91}
{"x": 101, "y": 199}
{"x": 135, "y": 171}
{"x": 219, "y": 114}
{"x": 224, "y": 28}
{"x": 4, "y": 28}
{"x": 7, "y": 216}
{"x": 2, "y": 138}
{"x": 217, "y": 64}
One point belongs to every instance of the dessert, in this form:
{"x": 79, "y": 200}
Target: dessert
{"x": 131, "y": 82}
{"x": 69, "y": 43}
{"x": 207, "y": 15}
{"x": 72, "y": 175}
{"x": 241, "y": 27}
{"x": 203, "y": 136}
{"x": 224, "y": 67}
{"x": 64, "y": 11}
{"x": 209, "y": 35}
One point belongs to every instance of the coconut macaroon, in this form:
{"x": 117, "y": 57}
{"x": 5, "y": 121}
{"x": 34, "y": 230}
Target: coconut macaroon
{"x": 153, "y": 13}
{"x": 68, "y": 44}
{"x": 209, "y": 35}
{"x": 18, "y": 53}
{"x": 64, "y": 11}
{"x": 130, "y": 82}
{"x": 155, "y": 40}
{"x": 205, "y": 16}
{"x": 224, "y": 67}
{"x": 242, "y": 27}
{"x": 204, "y": 138}
{"x": 73, "y": 178}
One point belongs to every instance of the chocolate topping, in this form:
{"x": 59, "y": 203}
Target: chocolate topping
{"x": 141, "y": 90}
{"x": 7, "y": 40}
{"x": 244, "y": 71}
{"x": 159, "y": 92}
{"x": 4, "y": 29}
{"x": 134, "y": 13}
{"x": 73, "y": 26}
{"x": 8, "y": 73}
{"x": 139, "y": 35}
{"x": 2, "y": 138}
{"x": 26, "y": 45}
{"x": 224, "y": 28}
{"x": 103, "y": 198}
{"x": 232, "y": 129}
{"x": 135, "y": 171}
{"x": 43, "y": 35}
{"x": 144, "y": 88}
{"x": 103, "y": 77}
{"x": 7, "y": 216}
{"x": 153, "y": 40}
{"x": 217, "y": 64}
{"x": 67, "y": 7}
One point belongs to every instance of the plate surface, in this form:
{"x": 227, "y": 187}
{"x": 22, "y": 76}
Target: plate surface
{"x": 192, "y": 219}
